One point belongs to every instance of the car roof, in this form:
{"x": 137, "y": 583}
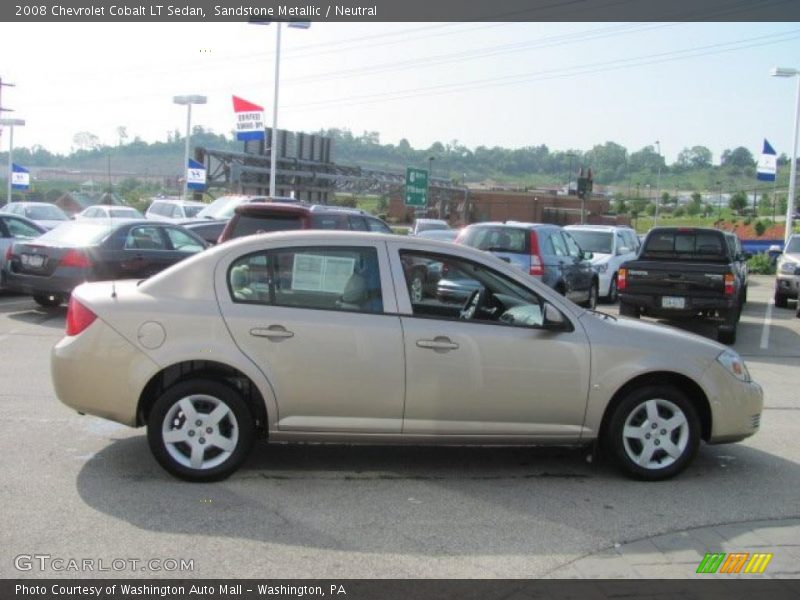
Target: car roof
{"x": 181, "y": 202}
{"x": 512, "y": 225}
{"x": 595, "y": 227}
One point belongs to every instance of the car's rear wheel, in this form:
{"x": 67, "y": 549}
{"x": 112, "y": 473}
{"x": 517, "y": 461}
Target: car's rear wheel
{"x": 628, "y": 310}
{"x": 781, "y": 300}
{"x": 48, "y": 300}
{"x": 654, "y": 432}
{"x": 200, "y": 430}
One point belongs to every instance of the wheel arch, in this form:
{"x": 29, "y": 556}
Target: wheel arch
{"x": 688, "y": 386}
{"x": 193, "y": 369}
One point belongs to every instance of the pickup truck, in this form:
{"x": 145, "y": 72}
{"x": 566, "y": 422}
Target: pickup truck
{"x": 686, "y": 272}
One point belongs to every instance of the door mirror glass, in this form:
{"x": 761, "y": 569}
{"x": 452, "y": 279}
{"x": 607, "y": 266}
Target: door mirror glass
{"x": 587, "y": 255}
{"x": 623, "y": 250}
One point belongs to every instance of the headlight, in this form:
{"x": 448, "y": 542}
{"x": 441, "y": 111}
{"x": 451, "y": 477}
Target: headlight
{"x": 601, "y": 268}
{"x": 734, "y": 364}
{"x": 788, "y": 267}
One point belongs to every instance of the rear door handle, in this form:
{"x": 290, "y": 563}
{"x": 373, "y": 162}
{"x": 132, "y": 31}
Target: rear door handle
{"x": 439, "y": 343}
{"x": 273, "y": 332}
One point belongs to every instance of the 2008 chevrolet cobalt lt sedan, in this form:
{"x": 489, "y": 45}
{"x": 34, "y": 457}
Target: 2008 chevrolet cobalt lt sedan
{"x": 313, "y": 336}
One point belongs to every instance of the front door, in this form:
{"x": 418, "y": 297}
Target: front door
{"x": 489, "y": 368}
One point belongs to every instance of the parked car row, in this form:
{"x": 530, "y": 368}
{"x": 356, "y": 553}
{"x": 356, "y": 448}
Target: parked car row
{"x": 787, "y": 281}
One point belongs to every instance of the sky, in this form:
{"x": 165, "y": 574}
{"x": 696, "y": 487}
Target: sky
{"x": 568, "y": 86}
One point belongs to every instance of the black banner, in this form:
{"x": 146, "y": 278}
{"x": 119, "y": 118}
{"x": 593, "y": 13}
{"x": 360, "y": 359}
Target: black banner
{"x": 405, "y": 10}
{"x": 728, "y": 588}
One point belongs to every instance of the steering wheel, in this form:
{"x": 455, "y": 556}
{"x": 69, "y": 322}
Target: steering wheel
{"x": 475, "y": 300}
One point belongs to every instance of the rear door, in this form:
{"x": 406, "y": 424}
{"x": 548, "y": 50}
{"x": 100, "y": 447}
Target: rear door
{"x": 143, "y": 252}
{"x": 321, "y": 322}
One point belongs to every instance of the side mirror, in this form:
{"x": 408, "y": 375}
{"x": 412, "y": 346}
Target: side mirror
{"x": 623, "y": 250}
{"x": 587, "y": 255}
{"x": 554, "y": 320}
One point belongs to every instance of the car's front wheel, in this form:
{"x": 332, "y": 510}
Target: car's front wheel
{"x": 591, "y": 302}
{"x": 654, "y": 432}
{"x": 613, "y": 294}
{"x": 200, "y": 430}
{"x": 781, "y": 300}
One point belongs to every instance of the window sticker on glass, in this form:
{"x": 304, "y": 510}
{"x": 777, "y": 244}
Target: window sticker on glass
{"x": 315, "y": 273}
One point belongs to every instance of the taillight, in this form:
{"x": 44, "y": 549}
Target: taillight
{"x": 9, "y": 253}
{"x": 729, "y": 283}
{"x": 537, "y": 266}
{"x": 74, "y": 258}
{"x": 78, "y": 317}
{"x": 622, "y": 280}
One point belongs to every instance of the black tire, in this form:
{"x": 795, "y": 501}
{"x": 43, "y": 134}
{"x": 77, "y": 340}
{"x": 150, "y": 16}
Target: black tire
{"x": 48, "y": 300}
{"x": 726, "y": 335}
{"x": 744, "y": 295}
{"x": 235, "y": 428}
{"x": 628, "y": 310}
{"x": 633, "y": 412}
{"x": 613, "y": 294}
{"x": 591, "y": 302}
{"x": 781, "y": 301}
{"x": 797, "y": 310}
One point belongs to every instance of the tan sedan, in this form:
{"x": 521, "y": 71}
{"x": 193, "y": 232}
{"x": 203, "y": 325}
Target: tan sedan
{"x": 313, "y": 336}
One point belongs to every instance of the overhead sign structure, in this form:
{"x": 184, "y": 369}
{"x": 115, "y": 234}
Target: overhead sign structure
{"x": 195, "y": 176}
{"x": 249, "y": 120}
{"x": 767, "y": 164}
{"x": 416, "y": 187}
{"x": 20, "y": 177}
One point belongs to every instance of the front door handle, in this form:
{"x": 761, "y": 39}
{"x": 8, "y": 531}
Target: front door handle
{"x": 273, "y": 332}
{"x": 439, "y": 344}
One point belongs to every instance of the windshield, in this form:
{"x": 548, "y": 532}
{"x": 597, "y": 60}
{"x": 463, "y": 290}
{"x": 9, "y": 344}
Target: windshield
{"x": 77, "y": 233}
{"x": 686, "y": 244}
{"x": 221, "y": 208}
{"x": 193, "y": 210}
{"x": 599, "y": 242}
{"x": 45, "y": 213}
{"x": 793, "y": 247}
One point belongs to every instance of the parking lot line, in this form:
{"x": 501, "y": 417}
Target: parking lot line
{"x": 765, "y": 329}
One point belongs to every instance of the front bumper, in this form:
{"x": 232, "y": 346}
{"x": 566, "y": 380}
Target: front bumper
{"x": 98, "y": 372}
{"x": 787, "y": 285}
{"x": 736, "y": 406}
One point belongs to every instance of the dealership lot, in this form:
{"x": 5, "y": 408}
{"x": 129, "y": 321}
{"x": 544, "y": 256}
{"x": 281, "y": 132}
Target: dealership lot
{"x": 84, "y": 488}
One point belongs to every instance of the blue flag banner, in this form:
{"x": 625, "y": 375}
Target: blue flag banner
{"x": 195, "y": 175}
{"x": 20, "y": 177}
{"x": 767, "y": 164}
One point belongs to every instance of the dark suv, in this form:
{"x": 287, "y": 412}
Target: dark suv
{"x": 263, "y": 218}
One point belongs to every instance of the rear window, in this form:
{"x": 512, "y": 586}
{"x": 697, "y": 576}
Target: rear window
{"x": 686, "y": 244}
{"x": 77, "y": 234}
{"x": 322, "y": 221}
{"x": 598, "y": 242}
{"x": 497, "y": 239}
{"x": 249, "y": 224}
{"x": 125, "y": 213}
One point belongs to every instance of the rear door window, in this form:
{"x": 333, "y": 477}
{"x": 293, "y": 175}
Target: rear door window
{"x": 498, "y": 239}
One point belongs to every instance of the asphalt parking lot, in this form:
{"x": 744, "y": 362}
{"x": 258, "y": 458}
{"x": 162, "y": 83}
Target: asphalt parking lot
{"x": 80, "y": 487}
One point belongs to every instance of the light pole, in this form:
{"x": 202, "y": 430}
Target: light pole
{"x": 188, "y": 101}
{"x": 11, "y": 123}
{"x": 273, "y": 151}
{"x": 783, "y": 72}
{"x": 658, "y": 183}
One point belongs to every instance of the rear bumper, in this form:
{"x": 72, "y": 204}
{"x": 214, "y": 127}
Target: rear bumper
{"x": 98, "y": 372}
{"x": 36, "y": 284}
{"x": 651, "y": 303}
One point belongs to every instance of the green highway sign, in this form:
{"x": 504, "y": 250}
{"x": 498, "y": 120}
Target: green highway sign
{"x": 416, "y": 187}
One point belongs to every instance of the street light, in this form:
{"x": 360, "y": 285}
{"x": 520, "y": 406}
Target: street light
{"x": 11, "y": 123}
{"x": 658, "y": 183}
{"x": 785, "y": 72}
{"x": 188, "y": 101}
{"x": 273, "y": 154}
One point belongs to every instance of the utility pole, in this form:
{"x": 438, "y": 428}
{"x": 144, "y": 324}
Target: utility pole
{"x": 2, "y": 108}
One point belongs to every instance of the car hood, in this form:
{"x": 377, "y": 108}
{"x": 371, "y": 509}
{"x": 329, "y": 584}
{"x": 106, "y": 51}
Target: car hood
{"x": 643, "y": 336}
{"x": 599, "y": 258}
{"x": 793, "y": 257}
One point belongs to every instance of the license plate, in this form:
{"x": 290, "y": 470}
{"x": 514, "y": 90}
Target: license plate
{"x": 673, "y": 302}
{"x": 32, "y": 260}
